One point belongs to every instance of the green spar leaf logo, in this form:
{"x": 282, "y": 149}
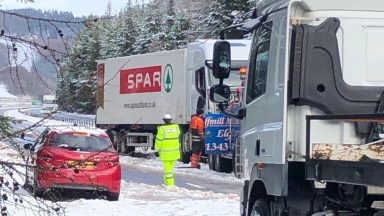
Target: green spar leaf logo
{"x": 168, "y": 78}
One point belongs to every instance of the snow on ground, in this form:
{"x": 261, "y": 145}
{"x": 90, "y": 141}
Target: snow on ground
{"x": 4, "y": 93}
{"x": 135, "y": 199}
{"x": 155, "y": 164}
{"x": 141, "y": 199}
{"x": 18, "y": 202}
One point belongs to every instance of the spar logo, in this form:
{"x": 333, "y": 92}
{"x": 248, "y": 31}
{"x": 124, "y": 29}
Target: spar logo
{"x": 146, "y": 79}
{"x": 139, "y": 80}
{"x": 168, "y": 78}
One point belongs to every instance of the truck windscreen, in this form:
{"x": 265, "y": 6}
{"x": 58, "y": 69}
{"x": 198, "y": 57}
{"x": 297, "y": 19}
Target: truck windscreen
{"x": 233, "y": 79}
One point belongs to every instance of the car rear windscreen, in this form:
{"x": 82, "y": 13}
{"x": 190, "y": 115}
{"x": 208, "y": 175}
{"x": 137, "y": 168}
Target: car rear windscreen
{"x": 76, "y": 142}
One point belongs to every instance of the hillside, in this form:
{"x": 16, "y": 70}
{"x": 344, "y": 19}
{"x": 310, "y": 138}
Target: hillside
{"x": 36, "y": 68}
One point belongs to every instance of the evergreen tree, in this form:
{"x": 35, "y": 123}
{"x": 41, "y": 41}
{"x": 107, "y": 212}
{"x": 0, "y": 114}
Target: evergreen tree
{"x": 127, "y": 31}
{"x": 221, "y": 14}
{"x": 177, "y": 35}
{"x": 5, "y": 126}
{"x": 108, "y": 11}
{"x": 77, "y": 79}
{"x": 151, "y": 36}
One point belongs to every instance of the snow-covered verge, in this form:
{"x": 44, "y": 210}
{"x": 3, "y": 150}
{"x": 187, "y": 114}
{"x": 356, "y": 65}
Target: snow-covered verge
{"x": 4, "y": 93}
{"x": 146, "y": 200}
{"x": 14, "y": 199}
{"x": 135, "y": 199}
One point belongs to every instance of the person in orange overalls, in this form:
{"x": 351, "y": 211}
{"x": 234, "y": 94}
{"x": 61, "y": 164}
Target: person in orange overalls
{"x": 197, "y": 132}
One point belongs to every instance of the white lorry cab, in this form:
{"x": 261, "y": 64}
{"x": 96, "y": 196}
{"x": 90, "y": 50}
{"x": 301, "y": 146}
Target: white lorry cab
{"x": 134, "y": 92}
{"x": 311, "y": 140}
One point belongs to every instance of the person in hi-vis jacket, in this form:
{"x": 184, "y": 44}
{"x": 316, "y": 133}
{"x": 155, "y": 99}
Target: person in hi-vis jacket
{"x": 167, "y": 144}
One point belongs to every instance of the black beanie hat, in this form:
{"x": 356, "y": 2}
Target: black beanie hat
{"x": 199, "y": 111}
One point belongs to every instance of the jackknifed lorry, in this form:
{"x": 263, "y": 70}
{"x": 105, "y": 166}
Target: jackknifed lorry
{"x": 134, "y": 93}
{"x": 311, "y": 123}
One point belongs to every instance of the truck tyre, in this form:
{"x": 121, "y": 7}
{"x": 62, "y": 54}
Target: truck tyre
{"x": 260, "y": 208}
{"x": 122, "y": 143}
{"x": 130, "y": 150}
{"x": 222, "y": 164}
{"x": 217, "y": 163}
{"x": 114, "y": 138}
{"x": 211, "y": 162}
{"x": 113, "y": 196}
{"x": 185, "y": 157}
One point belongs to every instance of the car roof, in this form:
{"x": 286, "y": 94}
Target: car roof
{"x": 68, "y": 129}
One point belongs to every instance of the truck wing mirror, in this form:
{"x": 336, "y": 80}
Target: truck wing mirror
{"x": 221, "y": 64}
{"x": 220, "y": 93}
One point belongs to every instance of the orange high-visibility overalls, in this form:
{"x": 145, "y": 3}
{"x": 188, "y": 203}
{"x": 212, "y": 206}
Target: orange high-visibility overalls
{"x": 197, "y": 131}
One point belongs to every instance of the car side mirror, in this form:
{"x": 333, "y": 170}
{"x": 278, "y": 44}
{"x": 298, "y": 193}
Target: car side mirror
{"x": 221, "y": 65}
{"x": 220, "y": 93}
{"x": 28, "y": 146}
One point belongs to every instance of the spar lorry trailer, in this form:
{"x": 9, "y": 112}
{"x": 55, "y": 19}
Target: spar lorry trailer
{"x": 134, "y": 92}
{"x": 311, "y": 140}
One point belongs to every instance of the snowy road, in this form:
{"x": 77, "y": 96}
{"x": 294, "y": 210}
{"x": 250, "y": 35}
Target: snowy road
{"x": 192, "y": 182}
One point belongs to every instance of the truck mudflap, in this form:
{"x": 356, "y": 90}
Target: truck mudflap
{"x": 244, "y": 198}
{"x": 360, "y": 164}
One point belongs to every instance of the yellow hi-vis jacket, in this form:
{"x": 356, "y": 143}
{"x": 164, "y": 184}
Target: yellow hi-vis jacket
{"x": 167, "y": 142}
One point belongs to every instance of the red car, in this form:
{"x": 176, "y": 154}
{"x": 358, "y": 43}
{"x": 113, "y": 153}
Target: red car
{"x": 75, "y": 159}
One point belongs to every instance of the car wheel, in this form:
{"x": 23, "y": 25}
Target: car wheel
{"x": 113, "y": 196}
{"x": 260, "y": 208}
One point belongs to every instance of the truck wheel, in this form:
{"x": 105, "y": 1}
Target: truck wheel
{"x": 130, "y": 150}
{"x": 222, "y": 164}
{"x": 211, "y": 162}
{"x": 122, "y": 142}
{"x": 185, "y": 157}
{"x": 113, "y": 196}
{"x": 217, "y": 163}
{"x": 260, "y": 208}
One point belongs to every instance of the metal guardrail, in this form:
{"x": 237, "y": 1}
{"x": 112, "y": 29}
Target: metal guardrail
{"x": 88, "y": 123}
{"x": 78, "y": 122}
{"x": 11, "y": 102}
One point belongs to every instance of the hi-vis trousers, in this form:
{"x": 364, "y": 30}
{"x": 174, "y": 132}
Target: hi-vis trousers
{"x": 168, "y": 173}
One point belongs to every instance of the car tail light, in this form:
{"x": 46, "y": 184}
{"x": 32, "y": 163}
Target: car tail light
{"x": 113, "y": 161}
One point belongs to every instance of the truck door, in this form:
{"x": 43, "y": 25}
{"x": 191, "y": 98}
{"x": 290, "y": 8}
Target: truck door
{"x": 263, "y": 127}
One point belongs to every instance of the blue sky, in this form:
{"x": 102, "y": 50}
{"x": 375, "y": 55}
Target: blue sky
{"x": 77, "y": 7}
